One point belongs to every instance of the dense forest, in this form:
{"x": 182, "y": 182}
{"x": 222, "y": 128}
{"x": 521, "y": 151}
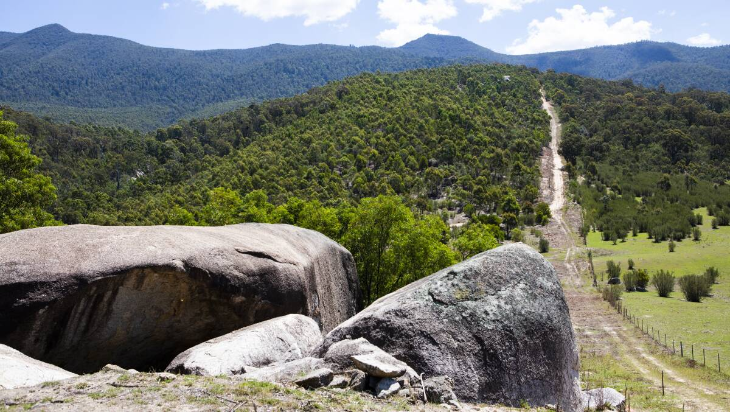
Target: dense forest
{"x": 67, "y": 76}
{"x": 645, "y": 158}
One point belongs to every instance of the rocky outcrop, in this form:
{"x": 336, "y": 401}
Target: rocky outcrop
{"x": 84, "y": 296}
{"x": 18, "y": 370}
{"x": 497, "y": 324}
{"x": 278, "y": 340}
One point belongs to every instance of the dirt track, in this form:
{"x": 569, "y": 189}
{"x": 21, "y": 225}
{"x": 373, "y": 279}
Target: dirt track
{"x": 598, "y": 328}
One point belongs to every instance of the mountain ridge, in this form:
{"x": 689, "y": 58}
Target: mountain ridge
{"x": 52, "y": 71}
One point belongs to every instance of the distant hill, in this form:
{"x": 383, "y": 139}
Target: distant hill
{"x": 51, "y": 71}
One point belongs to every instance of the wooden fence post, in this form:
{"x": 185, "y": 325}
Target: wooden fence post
{"x": 681, "y": 349}
{"x": 662, "y": 383}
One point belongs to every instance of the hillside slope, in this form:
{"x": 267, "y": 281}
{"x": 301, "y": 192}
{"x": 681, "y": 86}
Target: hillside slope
{"x": 461, "y": 133}
{"x": 51, "y": 71}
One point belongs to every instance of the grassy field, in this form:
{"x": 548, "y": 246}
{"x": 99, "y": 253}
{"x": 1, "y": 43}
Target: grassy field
{"x": 706, "y": 324}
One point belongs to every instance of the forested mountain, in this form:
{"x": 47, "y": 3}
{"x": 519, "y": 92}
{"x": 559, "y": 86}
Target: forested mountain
{"x": 51, "y": 71}
{"x": 461, "y": 134}
{"x": 105, "y": 80}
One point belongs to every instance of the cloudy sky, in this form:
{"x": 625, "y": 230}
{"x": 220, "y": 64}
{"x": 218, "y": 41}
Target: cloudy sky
{"x": 508, "y": 26}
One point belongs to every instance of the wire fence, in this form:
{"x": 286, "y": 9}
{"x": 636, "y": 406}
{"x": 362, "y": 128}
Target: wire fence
{"x": 699, "y": 356}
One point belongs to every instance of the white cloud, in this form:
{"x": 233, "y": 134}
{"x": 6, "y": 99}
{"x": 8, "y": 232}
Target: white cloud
{"x": 165, "y": 6}
{"x": 705, "y": 24}
{"x": 703, "y": 39}
{"x": 314, "y": 11}
{"x": 413, "y": 19}
{"x": 494, "y": 8}
{"x": 576, "y": 28}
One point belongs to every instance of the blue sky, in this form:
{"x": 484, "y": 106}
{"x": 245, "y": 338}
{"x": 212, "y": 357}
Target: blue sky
{"x": 508, "y": 26}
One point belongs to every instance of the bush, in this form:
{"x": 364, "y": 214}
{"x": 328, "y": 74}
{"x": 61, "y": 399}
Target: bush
{"x": 613, "y": 269}
{"x": 631, "y": 264}
{"x": 696, "y": 234}
{"x": 699, "y": 219}
{"x": 711, "y": 275}
{"x": 663, "y": 282}
{"x": 611, "y": 294}
{"x": 672, "y": 246}
{"x": 715, "y": 223}
{"x": 544, "y": 245}
{"x": 642, "y": 279}
{"x": 694, "y": 287}
{"x": 629, "y": 279}
{"x": 723, "y": 219}
{"x": 516, "y": 235}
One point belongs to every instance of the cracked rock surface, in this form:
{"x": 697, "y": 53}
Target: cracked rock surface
{"x": 83, "y": 296}
{"x": 497, "y": 324}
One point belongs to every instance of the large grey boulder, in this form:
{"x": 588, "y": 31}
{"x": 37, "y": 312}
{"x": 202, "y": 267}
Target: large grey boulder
{"x": 277, "y": 340}
{"x": 83, "y": 296}
{"x": 497, "y": 324}
{"x": 18, "y": 370}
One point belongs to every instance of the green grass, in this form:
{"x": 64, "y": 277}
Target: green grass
{"x": 706, "y": 324}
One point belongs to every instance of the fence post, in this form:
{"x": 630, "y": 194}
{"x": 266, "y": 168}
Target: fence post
{"x": 718, "y": 361}
{"x": 662, "y": 383}
{"x": 681, "y": 349}
{"x": 693, "y": 351}
{"x": 674, "y": 350}
{"x": 703, "y": 357}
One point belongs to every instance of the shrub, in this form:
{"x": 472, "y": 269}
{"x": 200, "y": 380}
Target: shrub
{"x": 631, "y": 264}
{"x": 696, "y": 234}
{"x": 642, "y": 279}
{"x": 663, "y": 282}
{"x": 544, "y": 245}
{"x": 611, "y": 294}
{"x": 711, "y": 275}
{"x": 516, "y": 235}
{"x": 672, "y": 246}
{"x": 694, "y": 287}
{"x": 613, "y": 269}
{"x": 629, "y": 279}
{"x": 715, "y": 223}
{"x": 699, "y": 218}
{"x": 723, "y": 219}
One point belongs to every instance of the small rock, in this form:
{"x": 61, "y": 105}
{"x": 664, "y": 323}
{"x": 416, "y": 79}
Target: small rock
{"x": 316, "y": 379}
{"x": 340, "y": 381}
{"x": 603, "y": 397}
{"x": 113, "y": 368}
{"x": 404, "y": 393}
{"x": 386, "y": 387}
{"x": 358, "y": 380}
{"x": 379, "y": 366}
{"x": 132, "y": 371}
{"x": 166, "y": 377}
{"x": 439, "y": 389}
